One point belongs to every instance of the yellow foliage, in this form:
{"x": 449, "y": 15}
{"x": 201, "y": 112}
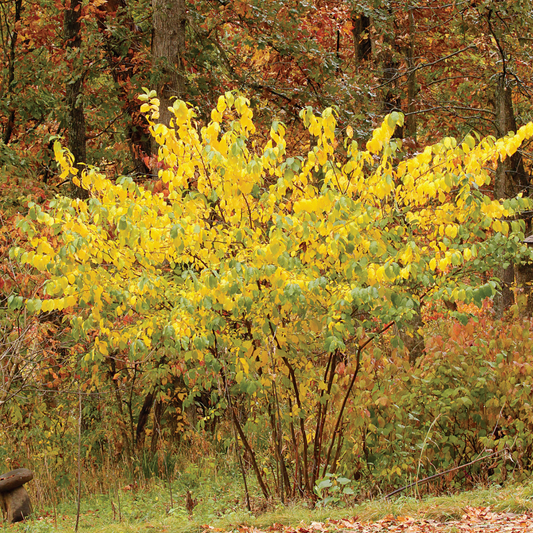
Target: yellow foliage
{"x": 265, "y": 260}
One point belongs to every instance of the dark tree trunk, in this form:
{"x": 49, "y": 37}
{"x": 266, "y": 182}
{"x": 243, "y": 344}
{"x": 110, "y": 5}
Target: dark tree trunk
{"x": 389, "y": 78}
{"x": 74, "y": 91}
{"x": 511, "y": 178}
{"x": 122, "y": 424}
{"x": 122, "y": 61}
{"x": 143, "y": 420}
{"x": 8, "y": 131}
{"x": 177, "y": 421}
{"x": 159, "y": 411}
{"x": 361, "y": 37}
{"x": 168, "y": 47}
{"x": 410, "y": 120}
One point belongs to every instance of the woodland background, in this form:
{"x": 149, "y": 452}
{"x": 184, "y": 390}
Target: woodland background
{"x": 74, "y": 70}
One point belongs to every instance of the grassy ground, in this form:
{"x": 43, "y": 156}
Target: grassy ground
{"x": 221, "y": 505}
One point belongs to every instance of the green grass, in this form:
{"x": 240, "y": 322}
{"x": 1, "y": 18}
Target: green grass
{"x": 221, "y": 504}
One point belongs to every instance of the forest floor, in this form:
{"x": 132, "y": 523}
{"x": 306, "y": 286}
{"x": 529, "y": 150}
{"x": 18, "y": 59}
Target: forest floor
{"x": 491, "y": 509}
{"x": 474, "y": 520}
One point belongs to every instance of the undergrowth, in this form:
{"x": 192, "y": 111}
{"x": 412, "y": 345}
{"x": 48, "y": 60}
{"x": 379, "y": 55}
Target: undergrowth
{"x": 466, "y": 400}
{"x": 221, "y": 505}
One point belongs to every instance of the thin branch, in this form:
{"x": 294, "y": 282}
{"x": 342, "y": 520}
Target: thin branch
{"x": 354, "y": 377}
{"x": 434, "y": 476}
{"x": 96, "y": 135}
{"x": 449, "y": 107}
{"x": 450, "y": 78}
{"x": 419, "y": 67}
{"x": 500, "y": 49}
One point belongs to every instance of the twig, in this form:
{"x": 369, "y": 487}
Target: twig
{"x": 423, "y": 65}
{"x": 434, "y": 476}
{"x": 352, "y": 381}
{"x": 424, "y": 445}
{"x": 79, "y": 458}
{"x": 169, "y": 481}
{"x": 243, "y": 473}
{"x": 118, "y": 502}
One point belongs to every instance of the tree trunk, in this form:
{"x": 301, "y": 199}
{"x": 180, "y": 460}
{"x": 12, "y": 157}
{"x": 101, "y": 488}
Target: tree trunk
{"x": 123, "y": 62}
{"x": 159, "y": 411}
{"x": 74, "y": 90}
{"x": 511, "y": 178}
{"x": 361, "y": 37}
{"x": 410, "y": 120}
{"x": 143, "y": 420}
{"x": 177, "y": 421}
{"x": 524, "y": 279}
{"x": 389, "y": 78}
{"x": 168, "y": 47}
{"x": 8, "y": 131}
{"x": 122, "y": 424}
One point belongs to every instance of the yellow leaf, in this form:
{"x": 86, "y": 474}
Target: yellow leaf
{"x": 451, "y": 231}
{"x": 245, "y": 365}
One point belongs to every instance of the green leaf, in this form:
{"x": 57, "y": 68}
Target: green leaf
{"x": 324, "y": 484}
{"x": 15, "y": 302}
{"x": 122, "y": 223}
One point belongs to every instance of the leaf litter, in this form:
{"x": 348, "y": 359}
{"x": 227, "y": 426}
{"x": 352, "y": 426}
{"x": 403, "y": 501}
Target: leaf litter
{"x": 474, "y": 520}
